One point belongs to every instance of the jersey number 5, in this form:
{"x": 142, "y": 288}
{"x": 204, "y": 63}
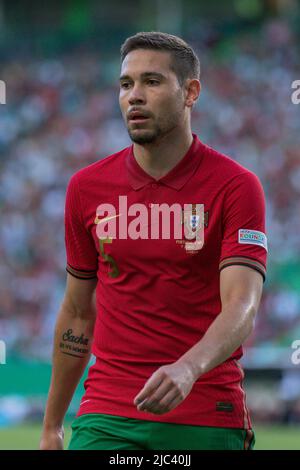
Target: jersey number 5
{"x": 115, "y": 270}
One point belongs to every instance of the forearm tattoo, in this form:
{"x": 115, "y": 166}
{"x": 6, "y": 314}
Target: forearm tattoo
{"x": 74, "y": 345}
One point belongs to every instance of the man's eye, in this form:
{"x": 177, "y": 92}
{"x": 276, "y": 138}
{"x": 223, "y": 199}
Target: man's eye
{"x": 125, "y": 85}
{"x": 151, "y": 81}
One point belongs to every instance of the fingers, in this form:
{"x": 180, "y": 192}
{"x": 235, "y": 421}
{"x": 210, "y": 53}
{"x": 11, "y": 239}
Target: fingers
{"x": 165, "y": 398}
{"x": 149, "y": 388}
{"x": 170, "y": 405}
{"x": 156, "y": 396}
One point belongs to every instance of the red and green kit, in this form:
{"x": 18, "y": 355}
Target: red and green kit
{"x": 157, "y": 248}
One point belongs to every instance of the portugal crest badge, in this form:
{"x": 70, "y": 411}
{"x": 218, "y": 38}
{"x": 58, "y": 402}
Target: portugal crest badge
{"x": 193, "y": 222}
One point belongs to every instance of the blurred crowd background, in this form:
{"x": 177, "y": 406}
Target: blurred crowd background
{"x": 61, "y": 68}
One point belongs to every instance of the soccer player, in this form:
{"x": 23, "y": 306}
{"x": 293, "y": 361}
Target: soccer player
{"x": 166, "y": 259}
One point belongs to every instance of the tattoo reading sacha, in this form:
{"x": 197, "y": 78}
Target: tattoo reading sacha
{"x": 69, "y": 341}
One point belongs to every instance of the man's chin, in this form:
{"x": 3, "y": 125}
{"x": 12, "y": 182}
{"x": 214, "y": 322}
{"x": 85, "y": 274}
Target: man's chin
{"x": 142, "y": 137}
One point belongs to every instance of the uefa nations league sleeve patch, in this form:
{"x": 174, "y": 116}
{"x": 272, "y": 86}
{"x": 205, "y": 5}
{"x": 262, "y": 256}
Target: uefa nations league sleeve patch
{"x": 253, "y": 237}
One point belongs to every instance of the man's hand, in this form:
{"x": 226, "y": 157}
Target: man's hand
{"x": 167, "y": 387}
{"x": 52, "y": 439}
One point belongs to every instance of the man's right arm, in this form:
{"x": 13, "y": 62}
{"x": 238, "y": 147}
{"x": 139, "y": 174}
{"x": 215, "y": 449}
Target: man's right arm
{"x": 71, "y": 353}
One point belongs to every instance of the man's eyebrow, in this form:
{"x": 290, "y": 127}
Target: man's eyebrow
{"x": 145, "y": 75}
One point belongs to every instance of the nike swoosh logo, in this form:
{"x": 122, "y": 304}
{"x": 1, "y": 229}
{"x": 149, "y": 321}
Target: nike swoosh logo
{"x": 105, "y": 219}
{"x": 85, "y": 401}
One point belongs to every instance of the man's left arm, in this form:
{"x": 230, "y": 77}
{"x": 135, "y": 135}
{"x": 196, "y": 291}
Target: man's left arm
{"x": 240, "y": 292}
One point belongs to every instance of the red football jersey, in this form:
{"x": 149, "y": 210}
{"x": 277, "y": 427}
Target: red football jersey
{"x": 157, "y": 296}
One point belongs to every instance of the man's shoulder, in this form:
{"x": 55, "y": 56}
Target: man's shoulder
{"x": 223, "y": 166}
{"x": 217, "y": 159}
{"x": 103, "y": 168}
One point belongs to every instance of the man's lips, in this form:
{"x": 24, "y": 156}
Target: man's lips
{"x": 137, "y": 116}
{"x": 138, "y": 119}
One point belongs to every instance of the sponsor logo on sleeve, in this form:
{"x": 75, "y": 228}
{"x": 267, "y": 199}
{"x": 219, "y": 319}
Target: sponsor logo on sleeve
{"x": 253, "y": 237}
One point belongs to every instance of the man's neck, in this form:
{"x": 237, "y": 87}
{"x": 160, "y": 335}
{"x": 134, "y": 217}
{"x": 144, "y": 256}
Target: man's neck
{"x": 159, "y": 158}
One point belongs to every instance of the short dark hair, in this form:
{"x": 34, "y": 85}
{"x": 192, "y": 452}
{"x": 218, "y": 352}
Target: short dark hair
{"x": 185, "y": 62}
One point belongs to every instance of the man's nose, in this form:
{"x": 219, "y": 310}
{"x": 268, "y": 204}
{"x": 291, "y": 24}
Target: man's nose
{"x": 136, "y": 95}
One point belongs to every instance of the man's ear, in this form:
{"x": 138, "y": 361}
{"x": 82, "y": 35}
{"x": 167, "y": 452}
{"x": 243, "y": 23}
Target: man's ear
{"x": 192, "y": 90}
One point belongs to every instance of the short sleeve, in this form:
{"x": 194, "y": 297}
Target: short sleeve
{"x": 244, "y": 240}
{"x": 81, "y": 253}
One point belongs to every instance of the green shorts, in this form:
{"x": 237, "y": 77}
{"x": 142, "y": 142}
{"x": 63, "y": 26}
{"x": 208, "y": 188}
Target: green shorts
{"x": 98, "y": 431}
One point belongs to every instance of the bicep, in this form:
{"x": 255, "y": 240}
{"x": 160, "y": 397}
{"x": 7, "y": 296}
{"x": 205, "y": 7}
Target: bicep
{"x": 79, "y": 296}
{"x": 240, "y": 286}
